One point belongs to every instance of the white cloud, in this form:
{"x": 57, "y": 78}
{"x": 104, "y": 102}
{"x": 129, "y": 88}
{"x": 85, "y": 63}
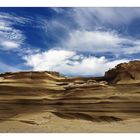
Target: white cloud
{"x": 100, "y": 42}
{"x": 9, "y": 44}
{"x": 70, "y": 63}
{"x": 10, "y": 37}
{"x": 49, "y": 59}
{"x": 92, "y": 41}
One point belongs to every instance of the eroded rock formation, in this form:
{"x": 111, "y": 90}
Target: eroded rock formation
{"x": 124, "y": 73}
{"x": 94, "y": 99}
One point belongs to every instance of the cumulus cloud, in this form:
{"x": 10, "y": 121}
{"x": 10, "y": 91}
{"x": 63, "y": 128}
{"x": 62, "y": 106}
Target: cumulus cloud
{"x": 70, "y": 63}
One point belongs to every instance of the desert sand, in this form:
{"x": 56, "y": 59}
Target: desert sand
{"x": 49, "y": 102}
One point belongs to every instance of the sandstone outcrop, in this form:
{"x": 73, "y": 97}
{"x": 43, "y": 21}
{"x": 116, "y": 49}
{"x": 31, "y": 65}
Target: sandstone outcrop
{"x": 124, "y": 73}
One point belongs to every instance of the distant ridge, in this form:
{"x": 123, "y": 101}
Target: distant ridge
{"x": 50, "y": 75}
{"x": 123, "y": 73}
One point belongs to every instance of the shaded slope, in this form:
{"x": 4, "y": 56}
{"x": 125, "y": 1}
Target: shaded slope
{"x": 124, "y": 73}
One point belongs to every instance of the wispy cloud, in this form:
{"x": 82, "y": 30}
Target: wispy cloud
{"x": 90, "y": 17}
{"x": 101, "y": 42}
{"x": 11, "y": 37}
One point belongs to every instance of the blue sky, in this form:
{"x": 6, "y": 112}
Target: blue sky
{"x": 72, "y": 41}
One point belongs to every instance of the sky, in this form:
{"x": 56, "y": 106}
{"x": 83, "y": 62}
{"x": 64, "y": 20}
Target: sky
{"x": 72, "y": 41}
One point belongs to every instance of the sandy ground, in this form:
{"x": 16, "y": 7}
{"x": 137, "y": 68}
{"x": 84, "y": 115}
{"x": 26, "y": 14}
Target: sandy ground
{"x": 49, "y": 123}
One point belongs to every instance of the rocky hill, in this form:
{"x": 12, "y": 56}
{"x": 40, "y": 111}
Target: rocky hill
{"x": 124, "y": 73}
